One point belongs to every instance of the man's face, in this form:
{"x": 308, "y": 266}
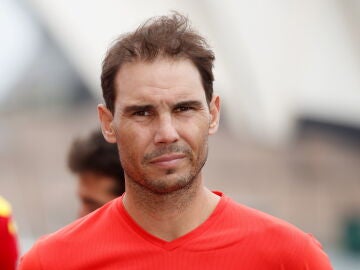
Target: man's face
{"x": 94, "y": 190}
{"x": 161, "y": 123}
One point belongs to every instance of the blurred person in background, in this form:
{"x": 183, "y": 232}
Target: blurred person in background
{"x": 8, "y": 238}
{"x": 160, "y": 110}
{"x": 100, "y": 177}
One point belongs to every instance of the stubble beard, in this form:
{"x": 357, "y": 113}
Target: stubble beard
{"x": 166, "y": 185}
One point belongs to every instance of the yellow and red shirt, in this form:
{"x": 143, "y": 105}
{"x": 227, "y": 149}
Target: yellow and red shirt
{"x": 8, "y": 242}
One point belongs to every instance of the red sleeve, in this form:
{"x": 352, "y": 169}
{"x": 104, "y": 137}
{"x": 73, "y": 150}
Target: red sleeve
{"x": 308, "y": 255}
{"x": 31, "y": 260}
{"x": 315, "y": 257}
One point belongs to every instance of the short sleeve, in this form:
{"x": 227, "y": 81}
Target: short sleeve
{"x": 31, "y": 260}
{"x": 314, "y": 256}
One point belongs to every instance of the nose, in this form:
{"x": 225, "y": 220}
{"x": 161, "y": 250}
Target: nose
{"x": 166, "y": 132}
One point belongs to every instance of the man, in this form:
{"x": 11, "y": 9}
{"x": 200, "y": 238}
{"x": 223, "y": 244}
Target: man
{"x": 160, "y": 109}
{"x": 97, "y": 167}
{"x": 8, "y": 239}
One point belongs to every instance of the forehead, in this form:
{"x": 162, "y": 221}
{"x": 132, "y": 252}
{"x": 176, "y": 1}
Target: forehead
{"x": 160, "y": 78}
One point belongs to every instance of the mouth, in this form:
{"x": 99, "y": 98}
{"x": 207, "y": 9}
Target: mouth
{"x": 168, "y": 160}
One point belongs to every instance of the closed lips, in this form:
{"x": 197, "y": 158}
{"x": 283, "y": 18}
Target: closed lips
{"x": 166, "y": 158}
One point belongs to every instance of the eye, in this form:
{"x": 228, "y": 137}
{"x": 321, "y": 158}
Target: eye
{"x": 183, "y": 108}
{"x": 142, "y": 113}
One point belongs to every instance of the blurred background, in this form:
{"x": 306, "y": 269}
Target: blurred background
{"x": 288, "y": 73}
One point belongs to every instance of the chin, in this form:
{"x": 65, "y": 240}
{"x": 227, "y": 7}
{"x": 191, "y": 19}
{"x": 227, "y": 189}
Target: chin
{"x": 169, "y": 184}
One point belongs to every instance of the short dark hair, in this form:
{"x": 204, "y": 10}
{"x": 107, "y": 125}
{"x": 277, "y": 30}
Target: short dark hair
{"x": 94, "y": 154}
{"x": 166, "y": 36}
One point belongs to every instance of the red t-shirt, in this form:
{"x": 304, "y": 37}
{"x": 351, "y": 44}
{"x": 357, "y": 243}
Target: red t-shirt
{"x": 8, "y": 243}
{"x": 233, "y": 237}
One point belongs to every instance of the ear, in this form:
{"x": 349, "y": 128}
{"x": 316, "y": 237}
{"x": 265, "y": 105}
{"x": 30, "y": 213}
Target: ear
{"x": 106, "y": 121}
{"x": 215, "y": 114}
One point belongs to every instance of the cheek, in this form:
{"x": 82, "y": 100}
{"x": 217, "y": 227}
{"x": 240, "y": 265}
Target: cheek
{"x": 133, "y": 142}
{"x": 196, "y": 137}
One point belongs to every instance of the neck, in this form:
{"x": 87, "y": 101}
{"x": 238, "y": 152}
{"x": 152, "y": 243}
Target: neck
{"x": 171, "y": 215}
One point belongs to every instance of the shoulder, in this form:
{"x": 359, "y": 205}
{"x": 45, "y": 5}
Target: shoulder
{"x": 277, "y": 239}
{"x": 258, "y": 222}
{"x": 85, "y": 226}
{"x": 76, "y": 235}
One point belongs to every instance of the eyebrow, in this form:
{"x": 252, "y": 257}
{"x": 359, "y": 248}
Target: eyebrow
{"x": 189, "y": 103}
{"x": 147, "y": 107}
{"x": 135, "y": 108}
